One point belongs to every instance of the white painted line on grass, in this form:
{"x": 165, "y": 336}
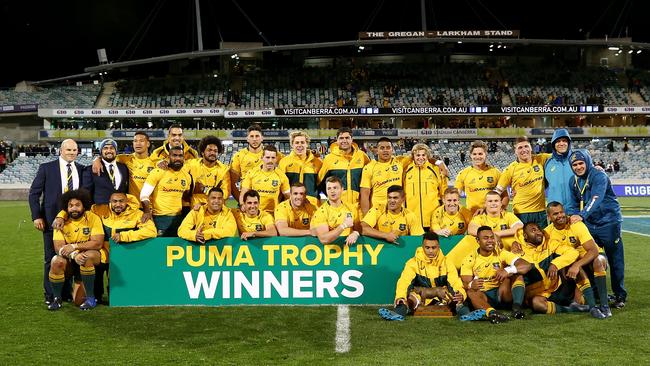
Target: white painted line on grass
{"x": 343, "y": 343}
{"x": 634, "y": 232}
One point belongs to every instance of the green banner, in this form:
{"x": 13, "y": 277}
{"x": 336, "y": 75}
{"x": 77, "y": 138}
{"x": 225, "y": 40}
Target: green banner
{"x": 278, "y": 271}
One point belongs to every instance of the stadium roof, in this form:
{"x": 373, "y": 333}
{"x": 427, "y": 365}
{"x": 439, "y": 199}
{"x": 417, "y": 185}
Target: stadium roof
{"x": 55, "y": 39}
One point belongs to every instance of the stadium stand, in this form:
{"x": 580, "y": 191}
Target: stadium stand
{"x": 55, "y": 97}
{"x": 169, "y": 92}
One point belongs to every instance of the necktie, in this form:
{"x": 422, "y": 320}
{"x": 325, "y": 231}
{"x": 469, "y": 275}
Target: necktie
{"x": 111, "y": 174}
{"x": 69, "y": 182}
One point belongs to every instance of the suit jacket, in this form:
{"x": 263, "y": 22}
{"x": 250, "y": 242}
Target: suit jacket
{"x": 47, "y": 185}
{"x": 101, "y": 187}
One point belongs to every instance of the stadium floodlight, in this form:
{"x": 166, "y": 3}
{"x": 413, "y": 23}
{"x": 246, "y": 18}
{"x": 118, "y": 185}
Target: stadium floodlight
{"x": 361, "y": 48}
{"x": 460, "y": 42}
{"x": 492, "y": 45}
{"x": 639, "y": 51}
{"x": 630, "y": 51}
{"x": 234, "y": 56}
{"x": 612, "y": 48}
{"x": 499, "y": 46}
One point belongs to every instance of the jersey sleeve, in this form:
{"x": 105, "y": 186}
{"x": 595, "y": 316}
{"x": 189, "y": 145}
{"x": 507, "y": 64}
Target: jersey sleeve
{"x": 235, "y": 164}
{"x": 143, "y": 231}
{"x": 96, "y": 227}
{"x": 247, "y": 182}
{"x": 154, "y": 177}
{"x": 371, "y": 217}
{"x": 506, "y": 177}
{"x": 467, "y": 266}
{"x": 512, "y": 219}
{"x": 284, "y": 183}
{"x": 267, "y": 219}
{"x": 460, "y": 180}
{"x": 187, "y": 229}
{"x": 281, "y": 213}
{"x": 319, "y": 218}
{"x": 581, "y": 232}
{"x": 507, "y": 257}
{"x": 366, "y": 176}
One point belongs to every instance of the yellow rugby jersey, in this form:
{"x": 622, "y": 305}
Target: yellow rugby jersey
{"x": 527, "y": 180}
{"x": 139, "y": 170}
{"x": 424, "y": 188}
{"x": 542, "y": 256}
{"x": 334, "y": 216}
{"x": 477, "y": 183}
{"x": 215, "y": 226}
{"x": 434, "y": 272}
{"x": 80, "y": 231}
{"x": 247, "y": 224}
{"x": 162, "y": 152}
{"x": 378, "y": 177}
{"x": 348, "y": 168}
{"x": 210, "y": 177}
{"x": 485, "y": 268}
{"x": 268, "y": 184}
{"x": 574, "y": 235}
{"x": 504, "y": 221}
{"x": 457, "y": 223}
{"x": 167, "y": 197}
{"x": 403, "y": 223}
{"x": 296, "y": 219}
{"x": 304, "y": 171}
{"x": 244, "y": 160}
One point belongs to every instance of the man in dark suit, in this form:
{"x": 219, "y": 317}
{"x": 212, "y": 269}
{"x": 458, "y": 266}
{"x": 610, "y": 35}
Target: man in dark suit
{"x": 113, "y": 178}
{"x": 52, "y": 180}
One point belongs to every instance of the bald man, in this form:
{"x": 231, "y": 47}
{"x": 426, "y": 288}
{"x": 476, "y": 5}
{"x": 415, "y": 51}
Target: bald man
{"x": 52, "y": 180}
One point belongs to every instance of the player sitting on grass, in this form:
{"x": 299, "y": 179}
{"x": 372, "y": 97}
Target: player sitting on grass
{"x": 428, "y": 279}
{"x": 590, "y": 261}
{"x": 547, "y": 286}
{"x": 76, "y": 245}
{"x": 493, "y": 278}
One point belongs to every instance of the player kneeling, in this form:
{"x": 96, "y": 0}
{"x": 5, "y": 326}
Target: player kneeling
{"x": 427, "y": 279}
{"x": 76, "y": 245}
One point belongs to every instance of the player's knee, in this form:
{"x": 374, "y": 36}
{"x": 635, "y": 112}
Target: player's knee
{"x": 58, "y": 264}
{"x": 94, "y": 258}
{"x": 600, "y": 263}
{"x": 539, "y": 304}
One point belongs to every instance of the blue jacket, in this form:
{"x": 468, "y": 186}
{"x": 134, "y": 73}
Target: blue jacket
{"x": 558, "y": 172}
{"x": 594, "y": 189}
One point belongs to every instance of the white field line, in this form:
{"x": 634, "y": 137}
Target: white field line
{"x": 343, "y": 343}
{"x": 634, "y": 232}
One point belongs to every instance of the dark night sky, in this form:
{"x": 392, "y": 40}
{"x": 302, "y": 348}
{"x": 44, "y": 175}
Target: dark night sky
{"x": 50, "y": 39}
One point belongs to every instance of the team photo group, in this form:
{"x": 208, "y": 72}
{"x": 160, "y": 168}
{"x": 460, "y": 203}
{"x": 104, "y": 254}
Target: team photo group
{"x": 542, "y": 234}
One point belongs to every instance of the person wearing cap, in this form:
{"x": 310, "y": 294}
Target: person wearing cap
{"x": 113, "y": 178}
{"x": 593, "y": 202}
{"x": 557, "y": 169}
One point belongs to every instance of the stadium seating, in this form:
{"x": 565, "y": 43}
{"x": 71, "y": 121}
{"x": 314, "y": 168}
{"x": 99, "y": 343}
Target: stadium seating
{"x": 171, "y": 92}
{"x": 55, "y": 97}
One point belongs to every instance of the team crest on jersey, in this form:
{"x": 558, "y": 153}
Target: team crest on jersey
{"x": 274, "y": 183}
{"x": 183, "y": 182}
{"x": 402, "y": 227}
{"x": 348, "y": 215}
{"x": 149, "y": 169}
{"x": 473, "y": 180}
{"x": 490, "y": 179}
{"x": 536, "y": 168}
{"x": 572, "y": 239}
{"x": 504, "y": 227}
{"x": 258, "y": 227}
{"x": 86, "y": 231}
{"x": 461, "y": 225}
{"x": 305, "y": 221}
{"x": 394, "y": 168}
{"x": 496, "y": 265}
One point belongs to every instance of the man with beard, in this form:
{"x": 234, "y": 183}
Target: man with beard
{"x": 211, "y": 221}
{"x": 302, "y": 165}
{"x": 546, "y": 286}
{"x": 493, "y": 278}
{"x": 138, "y": 163}
{"x": 175, "y": 138}
{"x": 267, "y": 180}
{"x": 393, "y": 221}
{"x": 425, "y": 279}
{"x": 590, "y": 261}
{"x": 167, "y": 188}
{"x": 77, "y": 244}
{"x": 208, "y": 172}
{"x": 293, "y": 216}
{"x": 251, "y": 221}
{"x": 451, "y": 218}
{"x": 345, "y": 161}
{"x": 593, "y": 202}
{"x": 526, "y": 178}
{"x": 247, "y": 159}
{"x": 114, "y": 177}
{"x": 336, "y": 218}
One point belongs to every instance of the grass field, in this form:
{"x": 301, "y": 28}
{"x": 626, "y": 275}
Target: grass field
{"x": 268, "y": 335}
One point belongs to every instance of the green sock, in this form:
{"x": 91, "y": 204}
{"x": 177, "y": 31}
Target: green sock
{"x": 518, "y": 293}
{"x": 462, "y": 310}
{"x": 402, "y": 309}
{"x": 601, "y": 287}
{"x": 88, "y": 279}
{"x": 588, "y": 294}
{"x": 562, "y": 309}
{"x": 57, "y": 282}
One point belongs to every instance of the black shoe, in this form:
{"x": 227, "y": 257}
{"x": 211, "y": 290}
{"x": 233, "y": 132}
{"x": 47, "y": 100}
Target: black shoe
{"x": 49, "y": 299}
{"x": 55, "y": 304}
{"x": 497, "y": 318}
{"x": 518, "y": 314}
{"x": 618, "y": 303}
